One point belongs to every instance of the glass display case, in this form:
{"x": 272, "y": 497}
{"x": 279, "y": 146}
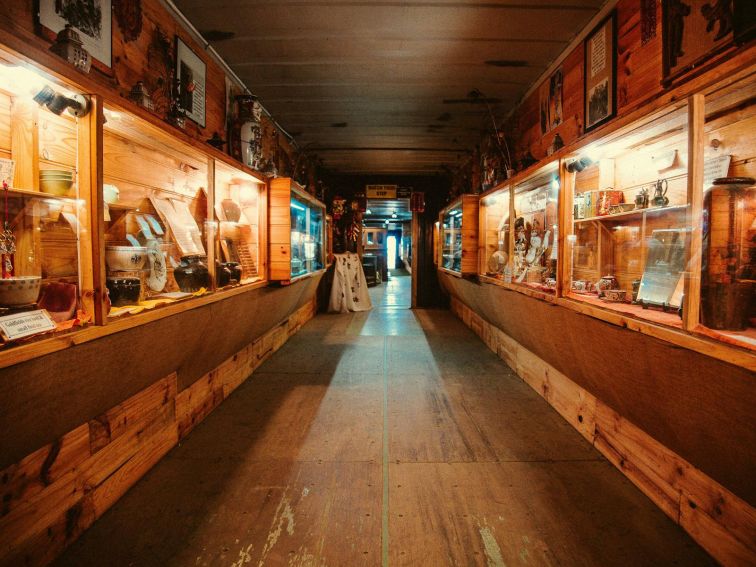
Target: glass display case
{"x": 535, "y": 230}
{"x": 458, "y": 236}
{"x": 239, "y": 209}
{"x": 495, "y": 234}
{"x": 156, "y": 213}
{"x": 297, "y": 227}
{"x": 46, "y": 283}
{"x": 728, "y": 266}
{"x": 630, "y": 227}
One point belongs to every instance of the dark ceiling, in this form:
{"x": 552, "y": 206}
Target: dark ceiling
{"x": 384, "y": 86}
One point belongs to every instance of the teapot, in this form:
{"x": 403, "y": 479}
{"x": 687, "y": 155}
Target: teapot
{"x": 660, "y": 193}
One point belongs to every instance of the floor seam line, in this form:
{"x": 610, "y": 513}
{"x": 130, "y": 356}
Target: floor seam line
{"x": 385, "y": 463}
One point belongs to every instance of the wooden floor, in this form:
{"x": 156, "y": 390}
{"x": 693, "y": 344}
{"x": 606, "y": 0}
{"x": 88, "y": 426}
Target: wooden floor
{"x": 390, "y": 437}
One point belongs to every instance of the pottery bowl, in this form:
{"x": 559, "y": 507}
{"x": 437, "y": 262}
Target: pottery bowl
{"x": 19, "y": 290}
{"x": 55, "y": 186}
{"x": 125, "y": 258}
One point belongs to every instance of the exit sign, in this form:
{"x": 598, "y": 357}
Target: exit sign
{"x": 380, "y": 191}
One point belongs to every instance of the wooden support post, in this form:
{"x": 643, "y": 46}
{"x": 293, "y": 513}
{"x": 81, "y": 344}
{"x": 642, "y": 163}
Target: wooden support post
{"x": 566, "y": 230}
{"x": 211, "y": 226}
{"x": 692, "y": 301}
{"x": 415, "y": 255}
{"x": 91, "y": 213}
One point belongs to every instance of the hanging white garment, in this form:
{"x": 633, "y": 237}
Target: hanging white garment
{"x": 349, "y": 291}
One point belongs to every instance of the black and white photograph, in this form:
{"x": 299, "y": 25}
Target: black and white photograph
{"x": 190, "y": 72}
{"x": 599, "y": 73}
{"x": 90, "y": 18}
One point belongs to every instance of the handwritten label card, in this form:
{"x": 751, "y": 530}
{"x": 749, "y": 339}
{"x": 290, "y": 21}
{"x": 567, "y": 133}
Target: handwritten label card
{"x": 26, "y": 324}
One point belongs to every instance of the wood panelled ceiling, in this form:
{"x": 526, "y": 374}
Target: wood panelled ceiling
{"x": 384, "y": 87}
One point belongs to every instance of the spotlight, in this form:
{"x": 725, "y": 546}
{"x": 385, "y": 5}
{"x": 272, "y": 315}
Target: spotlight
{"x": 55, "y": 102}
{"x": 393, "y": 215}
{"x": 368, "y": 212}
{"x": 579, "y": 164}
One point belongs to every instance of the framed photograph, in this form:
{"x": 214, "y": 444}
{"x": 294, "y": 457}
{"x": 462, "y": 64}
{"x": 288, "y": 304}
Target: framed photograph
{"x": 7, "y": 169}
{"x": 693, "y": 32}
{"x": 92, "y": 19}
{"x": 191, "y": 72}
{"x": 599, "y": 72}
{"x": 550, "y": 102}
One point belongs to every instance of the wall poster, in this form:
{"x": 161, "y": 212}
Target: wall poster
{"x": 90, "y": 18}
{"x": 550, "y": 95}
{"x": 191, "y": 72}
{"x": 599, "y": 71}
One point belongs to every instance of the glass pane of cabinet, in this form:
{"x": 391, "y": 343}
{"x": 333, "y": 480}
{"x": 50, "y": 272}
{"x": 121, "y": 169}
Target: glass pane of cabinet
{"x": 155, "y": 215}
{"x": 534, "y": 261}
{"x": 44, "y": 224}
{"x": 728, "y": 276}
{"x": 451, "y": 238}
{"x": 306, "y": 237}
{"x": 630, "y": 227}
{"x": 237, "y": 208}
{"x": 496, "y": 241}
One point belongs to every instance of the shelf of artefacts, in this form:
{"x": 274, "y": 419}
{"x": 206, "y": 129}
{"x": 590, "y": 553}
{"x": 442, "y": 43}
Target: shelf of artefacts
{"x": 458, "y": 236}
{"x": 297, "y": 226}
{"x": 47, "y": 283}
{"x": 109, "y": 215}
{"x": 496, "y": 243}
{"x": 534, "y": 232}
{"x": 661, "y": 219}
{"x": 653, "y": 222}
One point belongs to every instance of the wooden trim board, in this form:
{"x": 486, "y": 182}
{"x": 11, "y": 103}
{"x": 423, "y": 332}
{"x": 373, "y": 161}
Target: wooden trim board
{"x": 721, "y": 522}
{"x": 53, "y": 495}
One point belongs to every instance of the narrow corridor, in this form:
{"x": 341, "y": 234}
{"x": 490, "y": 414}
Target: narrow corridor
{"x": 388, "y": 437}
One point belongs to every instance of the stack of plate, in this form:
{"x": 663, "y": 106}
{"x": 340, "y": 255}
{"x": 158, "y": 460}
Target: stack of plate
{"x": 55, "y": 181}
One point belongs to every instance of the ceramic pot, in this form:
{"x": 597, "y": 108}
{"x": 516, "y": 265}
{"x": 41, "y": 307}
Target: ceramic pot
{"x": 605, "y": 283}
{"x": 19, "y": 290}
{"x": 124, "y": 291}
{"x": 192, "y": 274}
{"x": 729, "y": 254}
{"x": 228, "y": 273}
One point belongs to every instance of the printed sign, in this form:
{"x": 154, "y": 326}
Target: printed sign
{"x": 380, "y": 191}
{"x": 25, "y": 324}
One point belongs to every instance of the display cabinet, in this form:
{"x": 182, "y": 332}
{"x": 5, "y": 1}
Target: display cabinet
{"x": 630, "y": 218}
{"x": 728, "y": 242}
{"x": 157, "y": 234}
{"x": 458, "y": 236}
{"x": 240, "y": 210}
{"x": 496, "y": 243}
{"x": 535, "y": 229}
{"x": 47, "y": 282}
{"x": 297, "y": 223}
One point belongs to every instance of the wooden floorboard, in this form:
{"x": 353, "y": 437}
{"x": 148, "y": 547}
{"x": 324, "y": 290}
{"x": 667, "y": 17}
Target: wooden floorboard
{"x": 291, "y": 469}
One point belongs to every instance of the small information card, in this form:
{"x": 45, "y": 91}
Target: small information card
{"x": 26, "y": 324}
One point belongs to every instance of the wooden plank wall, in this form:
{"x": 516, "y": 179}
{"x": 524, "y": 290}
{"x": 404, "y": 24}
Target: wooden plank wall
{"x": 470, "y": 205}
{"x": 54, "y": 494}
{"x": 717, "y": 519}
{"x": 138, "y": 60}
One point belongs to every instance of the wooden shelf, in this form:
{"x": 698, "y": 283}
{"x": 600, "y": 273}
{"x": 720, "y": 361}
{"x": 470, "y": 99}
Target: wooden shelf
{"x": 630, "y": 214}
{"x": 31, "y": 194}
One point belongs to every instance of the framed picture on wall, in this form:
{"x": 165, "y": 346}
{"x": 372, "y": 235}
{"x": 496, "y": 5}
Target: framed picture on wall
{"x": 695, "y": 31}
{"x": 600, "y": 77}
{"x": 191, "y": 72}
{"x": 550, "y": 101}
{"x": 92, "y": 20}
